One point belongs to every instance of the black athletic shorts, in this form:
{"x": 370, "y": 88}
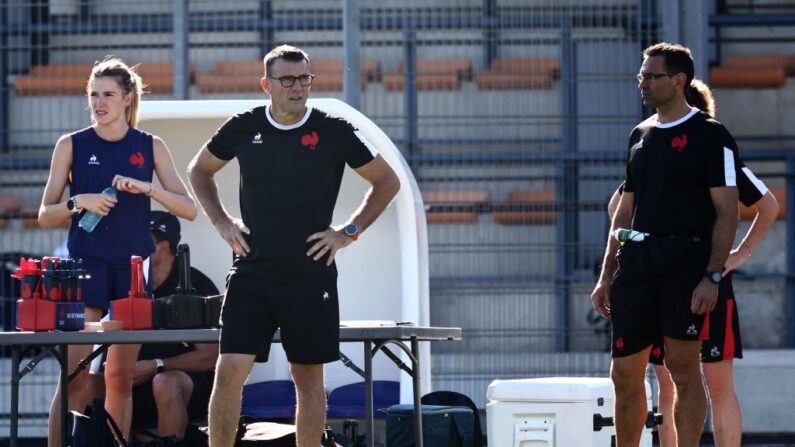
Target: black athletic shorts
{"x": 255, "y": 306}
{"x": 145, "y": 408}
{"x": 723, "y": 327}
{"x": 644, "y": 308}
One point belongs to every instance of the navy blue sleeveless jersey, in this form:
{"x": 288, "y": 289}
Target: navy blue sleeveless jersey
{"x": 125, "y": 230}
{"x": 290, "y": 177}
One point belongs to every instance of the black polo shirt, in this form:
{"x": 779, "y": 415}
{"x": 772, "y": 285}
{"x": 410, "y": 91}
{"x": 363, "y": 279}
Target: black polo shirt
{"x": 671, "y": 168}
{"x": 290, "y": 178}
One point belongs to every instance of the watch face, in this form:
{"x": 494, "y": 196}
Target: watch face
{"x": 351, "y": 229}
{"x": 715, "y": 277}
{"x": 70, "y": 204}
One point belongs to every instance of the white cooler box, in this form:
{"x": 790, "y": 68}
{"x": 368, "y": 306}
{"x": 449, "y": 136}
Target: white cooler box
{"x": 554, "y": 411}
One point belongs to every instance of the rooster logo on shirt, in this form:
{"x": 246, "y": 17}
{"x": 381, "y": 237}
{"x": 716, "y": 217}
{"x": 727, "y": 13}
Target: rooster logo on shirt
{"x": 137, "y": 159}
{"x": 679, "y": 143}
{"x": 310, "y": 140}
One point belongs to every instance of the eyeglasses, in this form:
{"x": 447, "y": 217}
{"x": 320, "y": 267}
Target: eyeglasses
{"x": 651, "y": 76}
{"x": 288, "y": 81}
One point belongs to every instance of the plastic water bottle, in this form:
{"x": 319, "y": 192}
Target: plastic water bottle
{"x": 90, "y": 219}
{"x": 622, "y": 235}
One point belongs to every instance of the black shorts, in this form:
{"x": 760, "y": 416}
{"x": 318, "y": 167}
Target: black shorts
{"x": 145, "y": 408}
{"x": 723, "y": 327}
{"x": 255, "y": 306}
{"x": 644, "y": 309}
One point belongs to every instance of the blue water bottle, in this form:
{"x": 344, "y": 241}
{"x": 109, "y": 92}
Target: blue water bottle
{"x": 90, "y": 219}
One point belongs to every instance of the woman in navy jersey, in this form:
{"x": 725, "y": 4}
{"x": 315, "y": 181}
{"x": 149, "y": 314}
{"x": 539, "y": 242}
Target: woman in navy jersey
{"x": 111, "y": 152}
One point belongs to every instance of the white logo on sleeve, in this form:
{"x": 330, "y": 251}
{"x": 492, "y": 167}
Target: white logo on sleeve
{"x": 691, "y": 330}
{"x": 326, "y": 296}
{"x": 93, "y": 160}
{"x": 257, "y": 139}
{"x": 715, "y": 352}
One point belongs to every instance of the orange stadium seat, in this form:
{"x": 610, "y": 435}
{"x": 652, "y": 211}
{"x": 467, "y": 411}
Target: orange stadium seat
{"x": 525, "y": 201}
{"x": 729, "y": 77}
{"x": 30, "y": 217}
{"x": 519, "y": 74}
{"x": 244, "y": 76}
{"x": 787, "y": 62}
{"x": 395, "y": 82}
{"x": 70, "y": 79}
{"x": 9, "y": 205}
{"x": 432, "y": 74}
{"x": 459, "y": 202}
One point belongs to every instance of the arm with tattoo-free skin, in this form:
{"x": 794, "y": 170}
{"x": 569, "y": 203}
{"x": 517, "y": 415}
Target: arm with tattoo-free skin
{"x": 201, "y": 175}
{"x": 384, "y": 186}
{"x": 600, "y": 297}
{"x": 766, "y": 214}
{"x": 724, "y": 199}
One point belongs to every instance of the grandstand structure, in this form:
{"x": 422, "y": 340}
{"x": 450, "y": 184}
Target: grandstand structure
{"x": 512, "y": 114}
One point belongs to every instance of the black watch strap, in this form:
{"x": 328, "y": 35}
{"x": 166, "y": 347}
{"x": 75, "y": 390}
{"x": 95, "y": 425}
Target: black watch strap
{"x": 714, "y": 276}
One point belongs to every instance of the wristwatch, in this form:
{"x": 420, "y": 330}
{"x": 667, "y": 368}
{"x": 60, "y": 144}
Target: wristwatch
{"x": 71, "y": 205}
{"x": 352, "y": 231}
{"x": 714, "y": 277}
{"x": 159, "y": 366}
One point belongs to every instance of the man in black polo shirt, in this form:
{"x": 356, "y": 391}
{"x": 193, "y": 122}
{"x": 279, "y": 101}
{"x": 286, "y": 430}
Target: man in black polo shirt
{"x": 291, "y": 160}
{"x": 172, "y": 382}
{"x": 680, "y": 190}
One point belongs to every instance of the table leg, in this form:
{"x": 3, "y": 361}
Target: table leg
{"x": 368, "y": 392}
{"x": 415, "y": 379}
{"x": 64, "y": 380}
{"x": 14, "y": 423}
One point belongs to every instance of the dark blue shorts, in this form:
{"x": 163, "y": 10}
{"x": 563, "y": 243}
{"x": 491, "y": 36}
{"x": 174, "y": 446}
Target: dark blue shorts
{"x": 255, "y": 306}
{"x": 109, "y": 282}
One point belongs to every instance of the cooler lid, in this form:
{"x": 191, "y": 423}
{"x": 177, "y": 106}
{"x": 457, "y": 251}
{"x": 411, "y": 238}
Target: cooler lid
{"x": 551, "y": 389}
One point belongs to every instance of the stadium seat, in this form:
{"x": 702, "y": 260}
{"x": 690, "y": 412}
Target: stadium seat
{"x": 787, "y": 62}
{"x": 444, "y": 207}
{"x": 526, "y": 208}
{"x": 347, "y": 401}
{"x": 271, "y": 399}
{"x": 244, "y": 76}
{"x": 764, "y": 77}
{"x": 432, "y": 74}
{"x": 9, "y": 206}
{"x": 70, "y": 79}
{"x": 519, "y": 74}
{"x": 30, "y": 217}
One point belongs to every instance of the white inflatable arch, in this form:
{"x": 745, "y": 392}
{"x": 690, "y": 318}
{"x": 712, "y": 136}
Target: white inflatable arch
{"x": 384, "y": 276}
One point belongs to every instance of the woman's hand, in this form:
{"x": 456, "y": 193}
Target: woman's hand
{"x": 131, "y": 185}
{"x": 98, "y": 203}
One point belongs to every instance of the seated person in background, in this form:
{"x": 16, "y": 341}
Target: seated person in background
{"x": 172, "y": 382}
{"x": 173, "y": 379}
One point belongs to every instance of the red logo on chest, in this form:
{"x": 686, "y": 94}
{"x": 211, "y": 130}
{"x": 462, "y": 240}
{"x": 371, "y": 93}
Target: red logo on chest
{"x": 679, "y": 143}
{"x": 620, "y": 344}
{"x": 310, "y": 140}
{"x": 656, "y": 352}
{"x": 137, "y": 159}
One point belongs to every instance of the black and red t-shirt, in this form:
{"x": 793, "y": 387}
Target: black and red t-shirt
{"x": 671, "y": 168}
{"x": 290, "y": 178}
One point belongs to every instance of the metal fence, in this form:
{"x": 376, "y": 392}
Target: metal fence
{"x": 513, "y": 115}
